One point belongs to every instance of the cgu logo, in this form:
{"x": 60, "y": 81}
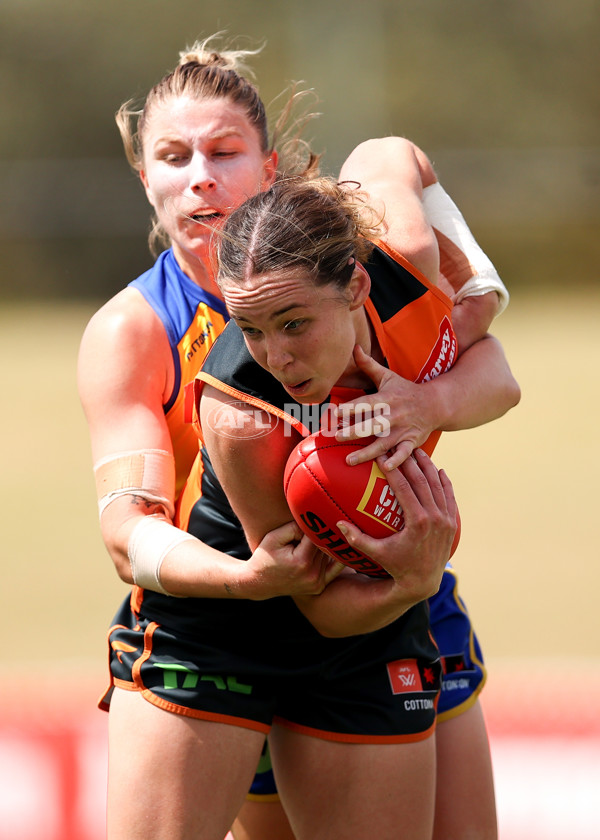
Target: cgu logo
{"x": 379, "y": 502}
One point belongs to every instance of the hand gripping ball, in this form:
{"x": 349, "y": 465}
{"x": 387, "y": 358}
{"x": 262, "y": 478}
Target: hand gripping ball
{"x": 321, "y": 489}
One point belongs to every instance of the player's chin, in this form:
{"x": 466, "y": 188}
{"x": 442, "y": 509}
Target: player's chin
{"x": 196, "y": 243}
{"x": 200, "y": 235}
{"x": 203, "y": 228}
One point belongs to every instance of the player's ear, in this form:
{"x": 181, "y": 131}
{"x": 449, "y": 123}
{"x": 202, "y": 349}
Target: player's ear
{"x": 360, "y": 286}
{"x": 269, "y": 170}
{"x": 144, "y": 179}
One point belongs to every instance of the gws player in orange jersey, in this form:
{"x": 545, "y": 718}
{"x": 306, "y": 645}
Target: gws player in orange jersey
{"x": 313, "y": 300}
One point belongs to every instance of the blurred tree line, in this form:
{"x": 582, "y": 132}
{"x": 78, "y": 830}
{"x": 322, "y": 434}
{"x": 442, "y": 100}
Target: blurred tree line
{"x": 502, "y": 94}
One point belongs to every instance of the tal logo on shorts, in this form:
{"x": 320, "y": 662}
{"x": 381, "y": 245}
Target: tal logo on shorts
{"x": 379, "y": 502}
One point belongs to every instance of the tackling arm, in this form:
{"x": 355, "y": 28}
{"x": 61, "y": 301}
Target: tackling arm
{"x": 124, "y": 374}
{"x": 477, "y": 389}
{"x": 424, "y": 225}
{"x": 250, "y": 470}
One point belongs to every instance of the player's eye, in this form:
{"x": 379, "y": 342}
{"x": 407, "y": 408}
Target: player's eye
{"x": 295, "y": 324}
{"x": 173, "y": 157}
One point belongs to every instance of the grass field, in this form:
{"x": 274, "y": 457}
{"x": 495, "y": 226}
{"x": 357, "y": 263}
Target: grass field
{"x": 528, "y": 562}
{"x": 527, "y": 489}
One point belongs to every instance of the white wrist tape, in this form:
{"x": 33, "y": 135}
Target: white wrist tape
{"x": 150, "y": 542}
{"x": 149, "y": 473}
{"x": 445, "y": 217}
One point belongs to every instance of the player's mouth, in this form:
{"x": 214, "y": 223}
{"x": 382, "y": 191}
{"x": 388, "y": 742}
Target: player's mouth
{"x": 206, "y": 216}
{"x": 299, "y": 389}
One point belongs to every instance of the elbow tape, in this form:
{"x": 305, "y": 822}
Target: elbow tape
{"x": 446, "y": 219}
{"x": 150, "y": 542}
{"x": 149, "y": 473}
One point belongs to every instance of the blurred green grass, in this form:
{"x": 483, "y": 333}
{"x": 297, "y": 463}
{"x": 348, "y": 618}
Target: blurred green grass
{"x": 526, "y": 485}
{"x": 59, "y": 589}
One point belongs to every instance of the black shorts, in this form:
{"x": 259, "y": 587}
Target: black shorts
{"x": 463, "y": 671}
{"x": 251, "y": 664}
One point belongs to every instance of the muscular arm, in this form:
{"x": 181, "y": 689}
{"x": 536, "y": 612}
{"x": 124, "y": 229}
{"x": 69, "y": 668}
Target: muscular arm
{"x": 251, "y": 468}
{"x": 123, "y": 371}
{"x": 394, "y": 172}
{"x": 124, "y": 376}
{"x": 479, "y": 388}
{"x": 415, "y": 557}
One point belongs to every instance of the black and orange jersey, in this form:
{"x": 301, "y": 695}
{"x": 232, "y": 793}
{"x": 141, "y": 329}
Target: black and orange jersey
{"x": 412, "y": 322}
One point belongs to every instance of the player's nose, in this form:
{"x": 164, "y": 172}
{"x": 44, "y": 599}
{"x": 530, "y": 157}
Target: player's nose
{"x": 278, "y": 355}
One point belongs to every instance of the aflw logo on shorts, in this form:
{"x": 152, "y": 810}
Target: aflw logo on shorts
{"x": 379, "y": 502}
{"x": 443, "y": 354}
{"x": 404, "y": 676}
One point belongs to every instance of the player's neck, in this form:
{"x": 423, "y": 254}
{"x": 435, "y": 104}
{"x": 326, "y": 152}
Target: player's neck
{"x": 198, "y": 270}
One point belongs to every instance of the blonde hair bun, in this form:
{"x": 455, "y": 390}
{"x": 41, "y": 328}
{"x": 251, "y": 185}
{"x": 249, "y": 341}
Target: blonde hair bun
{"x": 206, "y": 53}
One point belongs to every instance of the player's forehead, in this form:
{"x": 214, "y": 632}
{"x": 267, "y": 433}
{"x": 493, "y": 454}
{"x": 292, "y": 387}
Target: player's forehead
{"x": 270, "y": 296}
{"x": 197, "y": 118}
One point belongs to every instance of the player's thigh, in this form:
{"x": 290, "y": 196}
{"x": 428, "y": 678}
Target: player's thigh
{"x": 262, "y": 821}
{"x": 174, "y": 776}
{"x": 340, "y": 791}
{"x": 465, "y": 807}
{"x": 262, "y": 815}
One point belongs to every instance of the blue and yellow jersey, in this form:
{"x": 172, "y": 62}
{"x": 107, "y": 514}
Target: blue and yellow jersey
{"x": 193, "y": 319}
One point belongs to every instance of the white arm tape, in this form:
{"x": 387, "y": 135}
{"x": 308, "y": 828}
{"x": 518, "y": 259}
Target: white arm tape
{"x": 443, "y": 215}
{"x": 150, "y": 542}
{"x": 149, "y": 473}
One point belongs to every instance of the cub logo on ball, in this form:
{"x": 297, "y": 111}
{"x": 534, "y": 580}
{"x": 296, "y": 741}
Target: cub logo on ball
{"x": 321, "y": 489}
{"x": 379, "y": 501}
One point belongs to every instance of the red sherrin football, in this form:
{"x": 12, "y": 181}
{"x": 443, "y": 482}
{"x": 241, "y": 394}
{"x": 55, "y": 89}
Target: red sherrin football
{"x": 321, "y": 489}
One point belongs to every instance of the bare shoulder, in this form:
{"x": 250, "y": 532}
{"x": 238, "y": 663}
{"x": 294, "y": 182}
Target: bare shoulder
{"x": 125, "y": 317}
{"x": 124, "y": 371}
{"x": 124, "y": 335}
